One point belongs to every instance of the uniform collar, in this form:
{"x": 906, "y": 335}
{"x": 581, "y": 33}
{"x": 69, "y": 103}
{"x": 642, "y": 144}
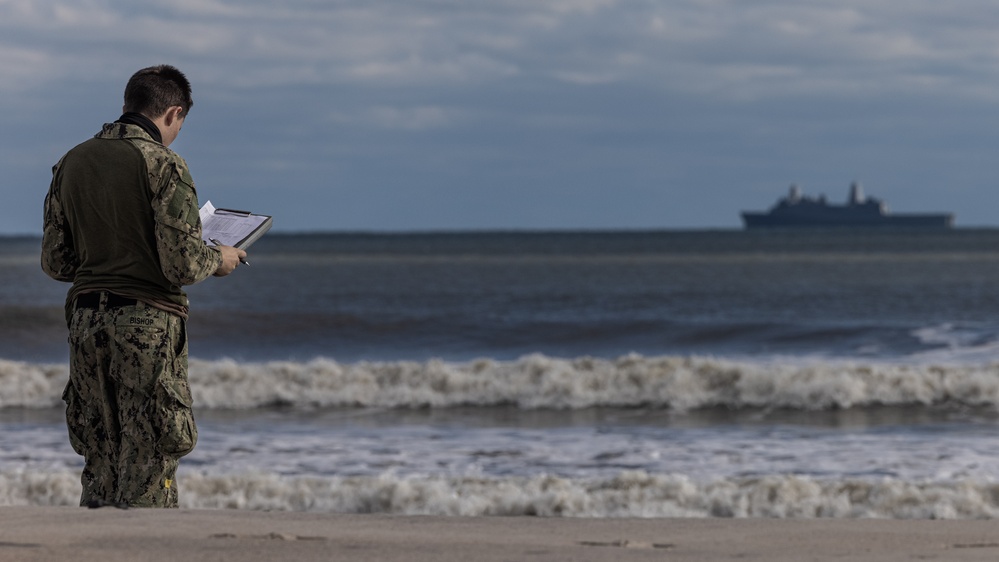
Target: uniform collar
{"x": 144, "y": 122}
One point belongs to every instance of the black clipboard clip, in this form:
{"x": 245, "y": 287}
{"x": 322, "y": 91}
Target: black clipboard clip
{"x": 233, "y": 212}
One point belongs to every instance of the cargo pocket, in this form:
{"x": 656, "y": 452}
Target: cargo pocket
{"x": 178, "y": 433}
{"x": 76, "y": 420}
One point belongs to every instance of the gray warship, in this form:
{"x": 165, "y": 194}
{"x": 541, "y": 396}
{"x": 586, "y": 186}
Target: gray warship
{"x": 860, "y": 211}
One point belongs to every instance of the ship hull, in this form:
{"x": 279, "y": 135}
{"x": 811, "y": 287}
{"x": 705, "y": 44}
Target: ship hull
{"x": 769, "y": 220}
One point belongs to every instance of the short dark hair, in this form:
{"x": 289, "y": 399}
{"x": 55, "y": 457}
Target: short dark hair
{"x": 151, "y": 91}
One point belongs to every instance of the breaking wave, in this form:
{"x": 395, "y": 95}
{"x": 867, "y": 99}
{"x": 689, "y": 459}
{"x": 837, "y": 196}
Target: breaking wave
{"x": 541, "y": 382}
{"x": 630, "y": 494}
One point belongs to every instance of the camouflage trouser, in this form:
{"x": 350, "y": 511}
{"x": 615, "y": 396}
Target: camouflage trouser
{"x": 128, "y": 403}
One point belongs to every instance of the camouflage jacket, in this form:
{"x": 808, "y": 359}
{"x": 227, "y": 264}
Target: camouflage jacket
{"x": 121, "y": 214}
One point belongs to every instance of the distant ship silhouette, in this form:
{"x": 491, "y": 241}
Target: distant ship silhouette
{"x": 796, "y": 210}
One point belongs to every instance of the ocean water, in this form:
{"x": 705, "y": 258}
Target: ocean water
{"x": 589, "y": 374}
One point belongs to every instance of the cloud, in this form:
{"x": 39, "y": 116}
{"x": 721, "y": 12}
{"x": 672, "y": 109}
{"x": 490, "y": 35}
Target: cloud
{"x": 19, "y": 68}
{"x": 548, "y": 95}
{"x": 414, "y": 118}
{"x": 717, "y": 47}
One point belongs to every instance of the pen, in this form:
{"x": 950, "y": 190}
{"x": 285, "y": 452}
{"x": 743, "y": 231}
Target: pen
{"x": 217, "y": 243}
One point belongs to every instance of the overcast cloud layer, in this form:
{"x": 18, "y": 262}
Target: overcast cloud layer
{"x": 541, "y": 114}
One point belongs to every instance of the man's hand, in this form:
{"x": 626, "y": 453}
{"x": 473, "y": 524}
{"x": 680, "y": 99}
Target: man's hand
{"x": 230, "y": 259}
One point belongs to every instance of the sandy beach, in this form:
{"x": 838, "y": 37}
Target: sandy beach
{"x": 109, "y": 534}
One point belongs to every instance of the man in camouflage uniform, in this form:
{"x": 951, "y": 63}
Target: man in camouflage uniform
{"x": 122, "y": 224}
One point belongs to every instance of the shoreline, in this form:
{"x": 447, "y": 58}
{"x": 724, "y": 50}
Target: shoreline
{"x": 111, "y": 535}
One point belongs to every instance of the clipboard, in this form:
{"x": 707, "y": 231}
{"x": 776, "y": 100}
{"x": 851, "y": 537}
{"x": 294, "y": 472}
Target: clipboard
{"x": 232, "y": 227}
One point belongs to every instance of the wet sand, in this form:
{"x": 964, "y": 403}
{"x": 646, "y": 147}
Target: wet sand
{"x": 111, "y": 535}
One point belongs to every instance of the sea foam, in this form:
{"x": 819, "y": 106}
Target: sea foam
{"x": 538, "y": 382}
{"x": 630, "y": 494}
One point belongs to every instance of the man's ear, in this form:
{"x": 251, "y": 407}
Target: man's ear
{"x": 172, "y": 114}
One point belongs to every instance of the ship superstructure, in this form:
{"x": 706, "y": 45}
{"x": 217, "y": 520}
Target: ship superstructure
{"x": 797, "y": 210}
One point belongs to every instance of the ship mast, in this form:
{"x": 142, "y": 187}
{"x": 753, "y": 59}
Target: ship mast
{"x": 794, "y": 194}
{"x": 856, "y": 194}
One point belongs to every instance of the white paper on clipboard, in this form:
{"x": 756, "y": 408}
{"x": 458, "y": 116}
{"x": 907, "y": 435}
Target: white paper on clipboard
{"x": 231, "y": 227}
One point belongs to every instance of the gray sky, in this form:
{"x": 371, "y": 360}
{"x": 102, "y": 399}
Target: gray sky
{"x": 402, "y": 115}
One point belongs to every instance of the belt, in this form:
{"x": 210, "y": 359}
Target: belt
{"x": 93, "y": 300}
